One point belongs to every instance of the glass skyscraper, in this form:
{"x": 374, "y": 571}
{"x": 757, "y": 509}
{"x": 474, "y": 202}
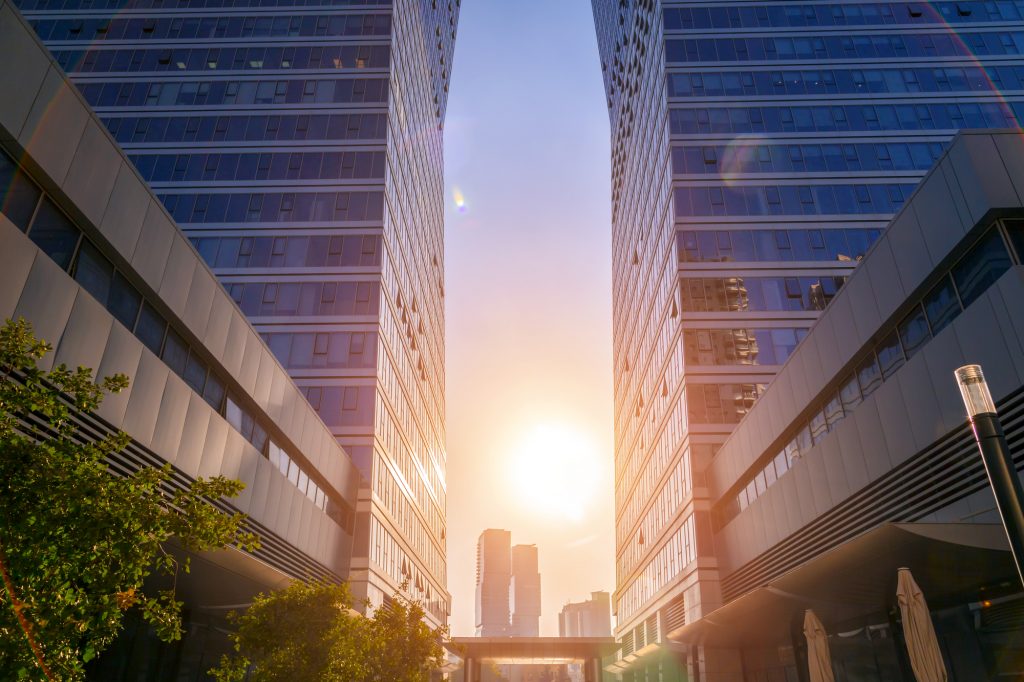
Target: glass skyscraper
{"x": 758, "y": 149}
{"x": 298, "y": 144}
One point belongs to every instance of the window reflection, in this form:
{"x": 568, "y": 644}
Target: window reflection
{"x": 975, "y": 272}
{"x": 981, "y": 267}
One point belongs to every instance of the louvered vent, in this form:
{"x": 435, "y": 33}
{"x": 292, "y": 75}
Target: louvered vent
{"x": 274, "y": 550}
{"x": 675, "y": 614}
{"x": 949, "y": 470}
{"x": 652, "y": 629}
{"x": 627, "y": 644}
{"x": 1004, "y": 617}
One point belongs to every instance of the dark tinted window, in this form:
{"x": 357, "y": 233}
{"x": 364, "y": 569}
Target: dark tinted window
{"x": 941, "y": 305}
{"x": 982, "y": 266}
{"x": 94, "y": 272}
{"x": 1016, "y": 230}
{"x": 914, "y": 332}
{"x": 18, "y": 194}
{"x": 151, "y": 329}
{"x": 195, "y": 373}
{"x": 890, "y": 354}
{"x": 175, "y": 352}
{"x": 214, "y": 391}
{"x": 55, "y": 234}
{"x": 849, "y": 394}
{"x": 124, "y": 301}
{"x": 868, "y": 376}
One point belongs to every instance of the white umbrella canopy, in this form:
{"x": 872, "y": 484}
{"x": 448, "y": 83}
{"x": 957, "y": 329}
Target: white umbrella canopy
{"x": 819, "y": 660}
{"x": 918, "y": 631}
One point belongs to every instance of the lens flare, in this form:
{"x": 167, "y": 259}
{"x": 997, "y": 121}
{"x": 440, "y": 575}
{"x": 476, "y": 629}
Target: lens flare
{"x": 460, "y": 201}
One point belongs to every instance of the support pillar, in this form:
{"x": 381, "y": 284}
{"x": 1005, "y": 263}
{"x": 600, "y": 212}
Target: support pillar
{"x": 472, "y": 668}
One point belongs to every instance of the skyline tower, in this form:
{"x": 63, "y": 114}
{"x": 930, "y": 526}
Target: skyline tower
{"x": 299, "y": 146}
{"x": 757, "y": 152}
{"x": 493, "y": 577}
{"x": 525, "y": 592}
{"x": 590, "y": 618}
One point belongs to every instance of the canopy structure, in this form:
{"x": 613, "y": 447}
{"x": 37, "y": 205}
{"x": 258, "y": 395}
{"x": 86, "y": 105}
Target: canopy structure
{"x": 953, "y": 563}
{"x": 534, "y": 650}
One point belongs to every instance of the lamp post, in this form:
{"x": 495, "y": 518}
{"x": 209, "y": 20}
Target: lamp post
{"x": 995, "y": 453}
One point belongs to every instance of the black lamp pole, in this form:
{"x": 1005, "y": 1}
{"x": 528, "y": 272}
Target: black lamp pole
{"x": 995, "y": 453}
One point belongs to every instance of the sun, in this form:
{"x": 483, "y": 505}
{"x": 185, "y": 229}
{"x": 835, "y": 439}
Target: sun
{"x": 554, "y": 471}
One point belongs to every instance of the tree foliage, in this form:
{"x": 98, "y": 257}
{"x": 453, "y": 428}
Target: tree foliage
{"x": 309, "y": 632}
{"x": 77, "y": 541}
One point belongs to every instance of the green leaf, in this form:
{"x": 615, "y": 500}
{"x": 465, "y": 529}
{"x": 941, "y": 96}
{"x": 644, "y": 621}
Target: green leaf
{"x": 76, "y": 540}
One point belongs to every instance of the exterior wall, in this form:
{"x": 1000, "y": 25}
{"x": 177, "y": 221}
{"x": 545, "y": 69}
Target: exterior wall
{"x": 916, "y": 414}
{"x": 758, "y": 151}
{"x": 493, "y": 579}
{"x": 525, "y": 592}
{"x": 91, "y": 191}
{"x": 299, "y": 147}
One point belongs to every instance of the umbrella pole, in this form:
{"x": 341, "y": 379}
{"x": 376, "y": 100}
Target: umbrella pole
{"x": 899, "y": 642}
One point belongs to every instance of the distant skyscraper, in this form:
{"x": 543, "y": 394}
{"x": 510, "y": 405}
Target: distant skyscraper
{"x": 525, "y": 592}
{"x": 493, "y": 577}
{"x": 758, "y": 149}
{"x": 591, "y": 618}
{"x": 298, "y": 144}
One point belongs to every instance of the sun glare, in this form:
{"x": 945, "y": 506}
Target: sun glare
{"x": 554, "y": 472}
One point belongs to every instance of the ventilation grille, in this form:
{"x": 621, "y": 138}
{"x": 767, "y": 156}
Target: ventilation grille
{"x": 628, "y": 644}
{"x": 274, "y": 550}
{"x": 948, "y": 470}
{"x": 675, "y": 614}
{"x": 1005, "y": 617}
{"x": 652, "y": 628}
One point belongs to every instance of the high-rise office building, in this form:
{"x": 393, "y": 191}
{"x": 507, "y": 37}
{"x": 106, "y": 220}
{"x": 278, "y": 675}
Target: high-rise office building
{"x": 857, "y": 468}
{"x": 90, "y": 257}
{"x": 493, "y": 577}
{"x": 758, "y": 150}
{"x": 590, "y": 618}
{"x": 525, "y": 592}
{"x": 298, "y": 144}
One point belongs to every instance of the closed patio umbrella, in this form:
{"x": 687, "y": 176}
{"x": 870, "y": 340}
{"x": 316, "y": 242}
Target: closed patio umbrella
{"x": 819, "y": 661}
{"x": 918, "y": 631}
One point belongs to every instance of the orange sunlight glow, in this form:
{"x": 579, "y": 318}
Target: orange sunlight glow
{"x": 554, "y": 472}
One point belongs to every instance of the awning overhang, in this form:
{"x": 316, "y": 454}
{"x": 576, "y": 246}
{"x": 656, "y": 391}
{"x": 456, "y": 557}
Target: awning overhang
{"x": 953, "y": 563}
{"x": 534, "y": 650}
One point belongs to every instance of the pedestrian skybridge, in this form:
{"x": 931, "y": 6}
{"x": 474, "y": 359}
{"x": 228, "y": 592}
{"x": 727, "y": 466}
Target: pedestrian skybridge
{"x": 587, "y": 651}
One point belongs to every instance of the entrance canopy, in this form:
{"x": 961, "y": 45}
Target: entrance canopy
{"x": 534, "y": 650}
{"x": 954, "y": 563}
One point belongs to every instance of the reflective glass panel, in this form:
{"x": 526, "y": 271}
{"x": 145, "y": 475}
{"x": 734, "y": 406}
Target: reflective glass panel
{"x": 981, "y": 267}
{"x": 55, "y": 234}
{"x": 941, "y": 305}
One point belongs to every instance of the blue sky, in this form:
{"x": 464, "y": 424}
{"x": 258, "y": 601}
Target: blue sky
{"x": 528, "y": 298}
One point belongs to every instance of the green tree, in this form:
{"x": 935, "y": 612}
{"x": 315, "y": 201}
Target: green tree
{"x": 309, "y": 632}
{"x": 403, "y": 647}
{"x": 77, "y": 541}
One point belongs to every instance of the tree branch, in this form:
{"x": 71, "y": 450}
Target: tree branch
{"x": 23, "y": 621}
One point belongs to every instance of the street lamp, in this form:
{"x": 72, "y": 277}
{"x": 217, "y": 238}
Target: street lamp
{"x": 995, "y": 453}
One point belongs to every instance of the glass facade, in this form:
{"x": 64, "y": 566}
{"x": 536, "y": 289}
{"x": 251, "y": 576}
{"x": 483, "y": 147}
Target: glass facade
{"x": 758, "y": 149}
{"x": 298, "y": 145}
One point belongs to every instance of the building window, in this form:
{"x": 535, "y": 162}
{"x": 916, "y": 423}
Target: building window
{"x": 981, "y": 267}
{"x": 941, "y": 305}
{"x": 55, "y": 234}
